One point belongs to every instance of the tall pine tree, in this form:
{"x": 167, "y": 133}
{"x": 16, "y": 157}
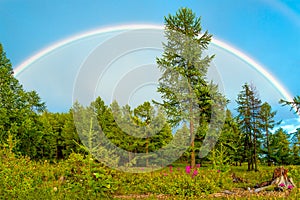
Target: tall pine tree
{"x": 248, "y": 108}
{"x": 267, "y": 123}
{"x": 183, "y": 85}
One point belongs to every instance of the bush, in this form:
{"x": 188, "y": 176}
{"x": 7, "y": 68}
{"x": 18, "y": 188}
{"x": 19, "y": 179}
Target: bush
{"x": 22, "y": 178}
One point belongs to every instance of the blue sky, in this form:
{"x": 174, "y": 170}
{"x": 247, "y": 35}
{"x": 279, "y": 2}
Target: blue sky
{"x": 266, "y": 30}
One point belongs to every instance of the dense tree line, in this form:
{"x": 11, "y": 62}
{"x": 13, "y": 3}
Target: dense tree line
{"x": 185, "y": 114}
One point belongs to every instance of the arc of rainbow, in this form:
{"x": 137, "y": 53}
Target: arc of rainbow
{"x": 284, "y": 92}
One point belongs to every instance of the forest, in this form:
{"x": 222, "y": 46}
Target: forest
{"x": 185, "y": 146}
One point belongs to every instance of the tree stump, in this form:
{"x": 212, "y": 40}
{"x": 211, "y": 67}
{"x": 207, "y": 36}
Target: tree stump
{"x": 280, "y": 180}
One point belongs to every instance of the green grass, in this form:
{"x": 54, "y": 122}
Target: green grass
{"x": 80, "y": 178}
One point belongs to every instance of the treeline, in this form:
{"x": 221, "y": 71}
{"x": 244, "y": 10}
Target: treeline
{"x": 40, "y": 134}
{"x": 259, "y": 138}
{"x": 153, "y": 133}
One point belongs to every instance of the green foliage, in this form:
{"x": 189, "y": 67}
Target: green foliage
{"x": 220, "y": 158}
{"x": 229, "y": 144}
{"x": 249, "y": 106}
{"x": 267, "y": 123}
{"x": 184, "y": 70}
{"x": 136, "y": 132}
{"x": 22, "y": 178}
{"x": 295, "y": 151}
{"x": 187, "y": 96}
{"x": 294, "y": 172}
{"x": 92, "y": 136}
{"x": 80, "y": 177}
{"x": 141, "y": 130}
{"x": 44, "y": 155}
{"x": 279, "y": 145}
{"x": 18, "y": 110}
{"x": 295, "y": 104}
{"x": 58, "y": 135}
{"x": 173, "y": 182}
{"x": 85, "y": 174}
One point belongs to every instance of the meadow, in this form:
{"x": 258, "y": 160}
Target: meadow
{"x": 46, "y": 155}
{"x": 80, "y": 177}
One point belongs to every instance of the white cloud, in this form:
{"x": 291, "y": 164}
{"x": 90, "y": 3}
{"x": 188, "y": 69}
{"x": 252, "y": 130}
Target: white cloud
{"x": 290, "y": 125}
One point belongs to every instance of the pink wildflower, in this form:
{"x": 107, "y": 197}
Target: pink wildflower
{"x": 188, "y": 169}
{"x": 219, "y": 171}
{"x": 290, "y": 187}
{"x": 281, "y": 185}
{"x": 195, "y": 173}
{"x": 198, "y": 166}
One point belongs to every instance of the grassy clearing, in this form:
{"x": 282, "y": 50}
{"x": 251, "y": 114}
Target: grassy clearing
{"x": 80, "y": 178}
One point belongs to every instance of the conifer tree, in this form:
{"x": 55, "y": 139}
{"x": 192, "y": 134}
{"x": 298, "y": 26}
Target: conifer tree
{"x": 18, "y": 110}
{"x": 183, "y": 85}
{"x": 267, "y": 123}
{"x": 248, "y": 108}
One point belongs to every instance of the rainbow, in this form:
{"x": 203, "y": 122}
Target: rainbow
{"x": 229, "y": 48}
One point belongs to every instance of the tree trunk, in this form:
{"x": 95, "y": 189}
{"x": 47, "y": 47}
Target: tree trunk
{"x": 251, "y": 151}
{"x": 249, "y": 165}
{"x": 193, "y": 159}
{"x": 147, "y": 149}
{"x": 268, "y": 147}
{"x": 129, "y": 156}
{"x": 255, "y": 156}
{"x": 248, "y": 153}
